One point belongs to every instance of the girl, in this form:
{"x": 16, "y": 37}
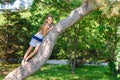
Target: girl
{"x": 38, "y": 37}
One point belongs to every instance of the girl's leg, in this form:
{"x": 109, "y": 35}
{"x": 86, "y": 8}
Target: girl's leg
{"x": 28, "y": 52}
{"x": 33, "y": 53}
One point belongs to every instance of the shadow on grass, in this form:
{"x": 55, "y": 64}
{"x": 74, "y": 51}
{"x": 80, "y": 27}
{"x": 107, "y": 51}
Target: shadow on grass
{"x": 5, "y": 68}
{"x": 63, "y": 72}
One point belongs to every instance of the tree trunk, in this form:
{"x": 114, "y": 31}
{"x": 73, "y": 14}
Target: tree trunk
{"x": 28, "y": 68}
{"x": 118, "y": 52}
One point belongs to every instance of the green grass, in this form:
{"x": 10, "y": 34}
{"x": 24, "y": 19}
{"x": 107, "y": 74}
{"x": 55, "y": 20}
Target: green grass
{"x": 63, "y": 72}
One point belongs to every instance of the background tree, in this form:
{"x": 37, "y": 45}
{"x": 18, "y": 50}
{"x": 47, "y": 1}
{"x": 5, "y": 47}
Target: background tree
{"x": 12, "y": 34}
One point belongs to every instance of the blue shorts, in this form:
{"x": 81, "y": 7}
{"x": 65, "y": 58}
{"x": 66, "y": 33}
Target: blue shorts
{"x": 36, "y": 41}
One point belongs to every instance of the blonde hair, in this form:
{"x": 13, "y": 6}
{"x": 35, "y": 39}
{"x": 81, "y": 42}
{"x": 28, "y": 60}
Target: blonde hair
{"x": 41, "y": 28}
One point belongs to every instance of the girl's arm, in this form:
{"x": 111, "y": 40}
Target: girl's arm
{"x": 50, "y": 28}
{"x": 45, "y": 30}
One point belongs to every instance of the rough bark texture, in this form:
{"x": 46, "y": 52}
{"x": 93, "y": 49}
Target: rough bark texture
{"x": 118, "y": 52}
{"x": 28, "y": 68}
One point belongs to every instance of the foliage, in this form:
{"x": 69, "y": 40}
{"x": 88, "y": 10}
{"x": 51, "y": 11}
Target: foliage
{"x": 13, "y": 35}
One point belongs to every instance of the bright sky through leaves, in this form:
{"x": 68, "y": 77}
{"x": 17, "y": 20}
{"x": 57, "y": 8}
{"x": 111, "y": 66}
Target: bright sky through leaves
{"x": 17, "y": 4}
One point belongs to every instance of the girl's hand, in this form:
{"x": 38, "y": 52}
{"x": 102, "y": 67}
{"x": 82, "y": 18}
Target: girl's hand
{"x": 50, "y": 28}
{"x": 24, "y": 57}
{"x": 27, "y": 58}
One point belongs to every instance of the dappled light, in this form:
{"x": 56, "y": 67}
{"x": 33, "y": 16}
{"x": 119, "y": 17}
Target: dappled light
{"x": 62, "y": 72}
{"x": 5, "y": 68}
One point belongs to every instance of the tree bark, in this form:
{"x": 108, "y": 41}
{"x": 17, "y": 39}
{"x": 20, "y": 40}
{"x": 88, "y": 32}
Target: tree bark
{"x": 118, "y": 52}
{"x": 28, "y": 68}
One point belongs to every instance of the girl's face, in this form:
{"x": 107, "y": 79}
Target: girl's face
{"x": 49, "y": 20}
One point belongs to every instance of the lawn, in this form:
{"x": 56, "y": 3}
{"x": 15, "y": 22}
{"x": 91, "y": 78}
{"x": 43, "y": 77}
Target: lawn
{"x": 63, "y": 72}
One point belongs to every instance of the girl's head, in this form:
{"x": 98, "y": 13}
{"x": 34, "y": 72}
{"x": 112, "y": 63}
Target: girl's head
{"x": 49, "y": 19}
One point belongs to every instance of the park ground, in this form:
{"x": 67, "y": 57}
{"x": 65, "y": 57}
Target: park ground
{"x": 63, "y": 72}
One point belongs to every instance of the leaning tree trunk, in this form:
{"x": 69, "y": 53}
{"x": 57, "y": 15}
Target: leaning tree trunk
{"x": 118, "y": 52}
{"x": 28, "y": 68}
